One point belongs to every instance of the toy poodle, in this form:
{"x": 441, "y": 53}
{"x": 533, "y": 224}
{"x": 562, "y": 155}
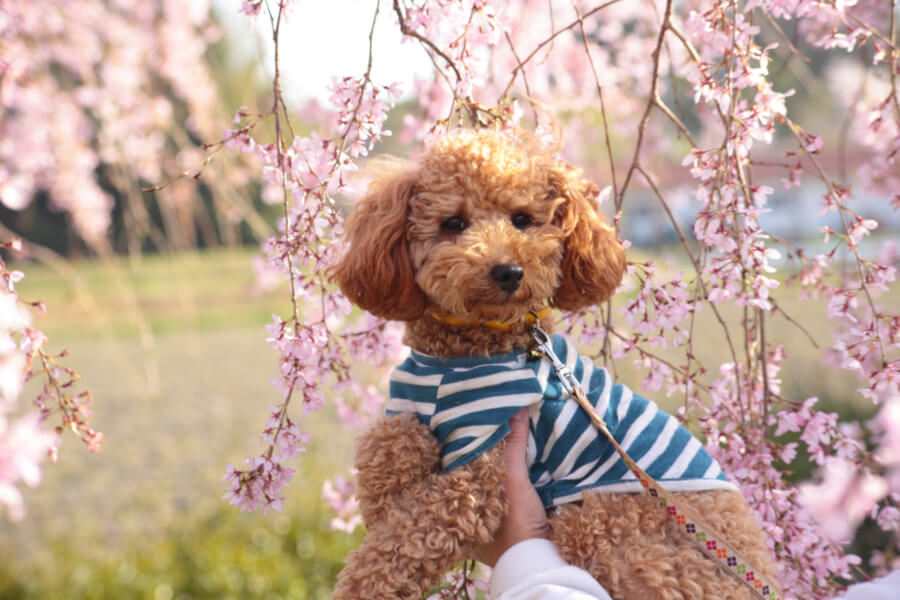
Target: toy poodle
{"x": 485, "y": 228}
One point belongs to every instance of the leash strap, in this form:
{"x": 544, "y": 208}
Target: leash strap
{"x": 698, "y": 532}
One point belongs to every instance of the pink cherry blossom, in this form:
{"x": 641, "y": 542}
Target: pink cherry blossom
{"x": 626, "y": 86}
{"x": 338, "y": 494}
{"x": 843, "y": 498}
{"x": 24, "y": 444}
{"x": 25, "y": 439}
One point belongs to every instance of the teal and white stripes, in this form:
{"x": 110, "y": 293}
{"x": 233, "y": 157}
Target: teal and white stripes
{"x": 467, "y": 403}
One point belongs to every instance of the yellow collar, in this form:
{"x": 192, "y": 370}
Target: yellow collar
{"x": 529, "y": 319}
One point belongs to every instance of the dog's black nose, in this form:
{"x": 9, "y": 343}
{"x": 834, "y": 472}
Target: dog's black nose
{"x": 507, "y": 277}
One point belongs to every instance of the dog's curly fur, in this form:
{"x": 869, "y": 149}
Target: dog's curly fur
{"x": 515, "y": 203}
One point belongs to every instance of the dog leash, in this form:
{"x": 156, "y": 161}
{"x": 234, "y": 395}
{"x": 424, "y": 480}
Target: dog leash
{"x": 697, "y": 531}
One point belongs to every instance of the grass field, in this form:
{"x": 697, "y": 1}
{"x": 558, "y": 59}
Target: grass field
{"x": 143, "y": 518}
{"x": 173, "y": 351}
{"x": 170, "y": 293}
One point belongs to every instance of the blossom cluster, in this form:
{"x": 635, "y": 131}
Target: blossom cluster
{"x": 76, "y": 98}
{"x": 25, "y": 439}
{"x": 338, "y": 494}
{"x": 305, "y": 173}
{"x": 261, "y": 485}
{"x": 469, "y": 580}
{"x": 457, "y": 34}
{"x": 749, "y": 454}
{"x": 23, "y": 442}
{"x": 461, "y": 38}
{"x": 739, "y": 265}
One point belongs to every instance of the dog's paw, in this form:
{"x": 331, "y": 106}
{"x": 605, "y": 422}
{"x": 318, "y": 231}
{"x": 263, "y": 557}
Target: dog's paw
{"x": 395, "y": 455}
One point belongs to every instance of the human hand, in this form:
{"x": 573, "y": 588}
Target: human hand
{"x": 526, "y": 518}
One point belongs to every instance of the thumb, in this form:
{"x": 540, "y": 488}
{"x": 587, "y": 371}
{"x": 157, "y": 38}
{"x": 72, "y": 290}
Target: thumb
{"x": 516, "y": 444}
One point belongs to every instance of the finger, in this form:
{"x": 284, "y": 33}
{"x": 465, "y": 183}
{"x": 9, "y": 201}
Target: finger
{"x": 516, "y": 444}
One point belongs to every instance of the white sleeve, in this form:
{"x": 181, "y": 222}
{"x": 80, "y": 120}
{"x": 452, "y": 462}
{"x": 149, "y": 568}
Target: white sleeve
{"x": 886, "y": 588}
{"x": 534, "y": 570}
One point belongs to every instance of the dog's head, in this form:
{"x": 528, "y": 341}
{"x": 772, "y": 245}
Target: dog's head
{"x": 486, "y": 226}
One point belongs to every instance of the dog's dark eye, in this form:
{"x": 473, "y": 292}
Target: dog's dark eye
{"x": 453, "y": 225}
{"x": 521, "y": 220}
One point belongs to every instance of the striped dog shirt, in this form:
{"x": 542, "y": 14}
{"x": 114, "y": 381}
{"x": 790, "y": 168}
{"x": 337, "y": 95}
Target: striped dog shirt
{"x": 467, "y": 403}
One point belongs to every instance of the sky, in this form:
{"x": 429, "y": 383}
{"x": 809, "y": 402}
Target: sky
{"x": 324, "y": 38}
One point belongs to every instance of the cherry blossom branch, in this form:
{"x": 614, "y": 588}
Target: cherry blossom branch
{"x": 889, "y": 42}
{"x": 776, "y": 307}
{"x": 279, "y": 144}
{"x": 366, "y": 79}
{"x": 854, "y": 248}
{"x": 790, "y": 44}
{"x": 278, "y": 108}
{"x": 658, "y": 102}
{"x": 764, "y": 364}
{"x": 697, "y": 268}
{"x": 24, "y": 439}
{"x": 609, "y": 152}
{"x": 654, "y": 82}
{"x": 894, "y": 58}
{"x": 549, "y": 40}
{"x": 41, "y": 253}
{"x": 512, "y": 49}
{"x": 643, "y": 351}
{"x": 405, "y": 30}
{"x": 685, "y": 42}
{"x": 215, "y": 147}
{"x": 672, "y": 220}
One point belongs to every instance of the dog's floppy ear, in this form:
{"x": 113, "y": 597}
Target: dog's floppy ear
{"x": 375, "y": 271}
{"x": 594, "y": 262}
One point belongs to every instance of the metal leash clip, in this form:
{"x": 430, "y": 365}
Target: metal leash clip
{"x": 566, "y": 377}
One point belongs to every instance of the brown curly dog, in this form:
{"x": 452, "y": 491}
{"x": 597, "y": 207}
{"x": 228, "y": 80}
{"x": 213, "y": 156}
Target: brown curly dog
{"x": 460, "y": 245}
